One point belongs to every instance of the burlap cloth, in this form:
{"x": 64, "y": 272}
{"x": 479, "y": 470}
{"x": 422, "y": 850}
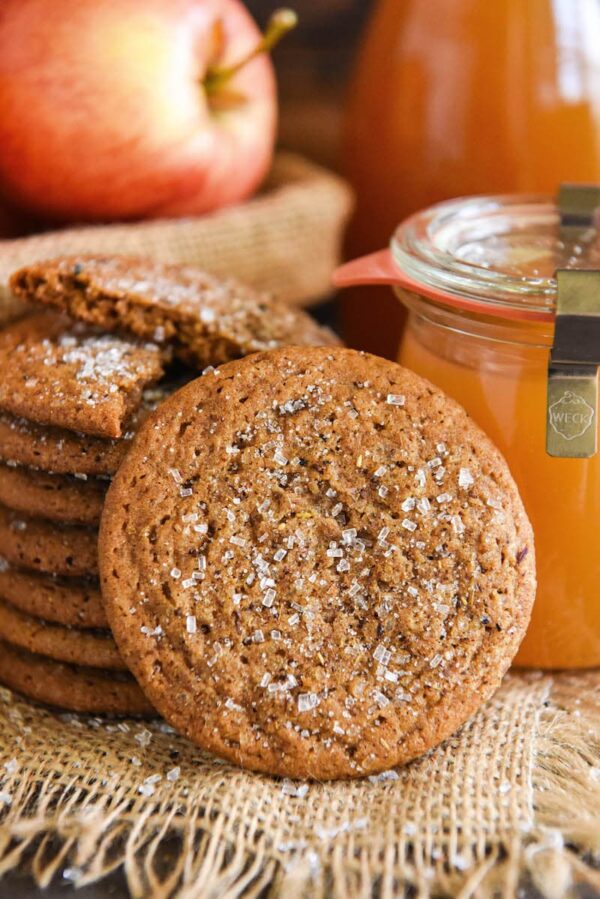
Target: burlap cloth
{"x": 512, "y": 800}
{"x": 286, "y": 240}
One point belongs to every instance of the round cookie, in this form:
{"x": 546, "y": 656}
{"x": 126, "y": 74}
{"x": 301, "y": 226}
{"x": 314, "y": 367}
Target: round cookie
{"x": 64, "y": 644}
{"x": 56, "y": 450}
{"x": 71, "y": 687}
{"x": 315, "y": 564}
{"x": 46, "y": 546}
{"x": 206, "y": 320}
{"x": 69, "y": 601}
{"x": 54, "y": 496}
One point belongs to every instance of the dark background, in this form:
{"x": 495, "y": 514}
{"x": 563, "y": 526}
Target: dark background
{"x": 314, "y": 64}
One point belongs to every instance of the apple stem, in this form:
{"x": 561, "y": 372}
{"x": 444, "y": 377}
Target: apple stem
{"x": 282, "y": 21}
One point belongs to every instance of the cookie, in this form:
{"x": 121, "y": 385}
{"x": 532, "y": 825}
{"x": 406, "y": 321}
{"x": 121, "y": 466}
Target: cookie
{"x": 69, "y": 686}
{"x": 315, "y": 563}
{"x": 64, "y": 644}
{"x": 55, "y": 450}
{"x": 61, "y": 373}
{"x": 46, "y": 546}
{"x": 53, "y": 496}
{"x": 206, "y": 320}
{"x": 66, "y": 452}
{"x": 69, "y": 601}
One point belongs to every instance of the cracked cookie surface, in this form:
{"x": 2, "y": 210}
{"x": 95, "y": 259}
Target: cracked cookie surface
{"x": 55, "y": 641}
{"x": 71, "y": 686}
{"x": 315, "y": 563}
{"x": 47, "y": 546}
{"x": 57, "y": 497}
{"x": 74, "y": 602}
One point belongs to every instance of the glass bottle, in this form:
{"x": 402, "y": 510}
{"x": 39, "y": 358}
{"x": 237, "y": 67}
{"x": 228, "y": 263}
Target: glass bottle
{"x": 460, "y": 97}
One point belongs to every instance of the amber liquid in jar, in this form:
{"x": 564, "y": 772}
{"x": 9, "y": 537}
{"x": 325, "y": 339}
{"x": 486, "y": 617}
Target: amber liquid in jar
{"x": 505, "y": 392}
{"x": 496, "y": 367}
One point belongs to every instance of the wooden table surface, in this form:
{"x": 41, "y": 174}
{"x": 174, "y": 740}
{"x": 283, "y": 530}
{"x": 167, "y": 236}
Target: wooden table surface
{"x": 314, "y": 64}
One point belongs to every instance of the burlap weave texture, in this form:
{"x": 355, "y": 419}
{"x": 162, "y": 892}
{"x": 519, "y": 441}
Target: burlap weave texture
{"x": 513, "y": 799}
{"x": 286, "y": 240}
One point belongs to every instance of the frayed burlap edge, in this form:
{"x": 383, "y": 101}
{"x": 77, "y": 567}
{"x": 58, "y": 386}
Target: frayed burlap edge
{"x": 513, "y": 799}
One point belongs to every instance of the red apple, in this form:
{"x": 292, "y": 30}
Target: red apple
{"x": 125, "y": 109}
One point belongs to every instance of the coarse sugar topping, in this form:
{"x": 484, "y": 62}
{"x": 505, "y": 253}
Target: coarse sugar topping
{"x": 61, "y": 373}
{"x": 330, "y": 618}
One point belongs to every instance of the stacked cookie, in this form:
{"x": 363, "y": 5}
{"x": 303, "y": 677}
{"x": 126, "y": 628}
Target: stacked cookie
{"x": 76, "y": 381}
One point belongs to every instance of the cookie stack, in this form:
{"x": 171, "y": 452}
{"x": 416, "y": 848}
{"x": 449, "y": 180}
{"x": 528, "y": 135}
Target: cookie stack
{"x": 76, "y": 381}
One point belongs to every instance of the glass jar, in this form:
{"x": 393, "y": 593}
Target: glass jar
{"x": 477, "y": 279}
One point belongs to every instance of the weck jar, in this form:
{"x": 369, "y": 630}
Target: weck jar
{"x": 478, "y": 278}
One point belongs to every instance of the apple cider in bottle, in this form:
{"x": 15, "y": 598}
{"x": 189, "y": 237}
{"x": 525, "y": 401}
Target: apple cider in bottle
{"x": 459, "y": 97}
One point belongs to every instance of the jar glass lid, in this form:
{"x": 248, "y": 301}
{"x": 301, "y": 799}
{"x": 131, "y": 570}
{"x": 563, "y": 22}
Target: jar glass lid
{"x": 498, "y": 253}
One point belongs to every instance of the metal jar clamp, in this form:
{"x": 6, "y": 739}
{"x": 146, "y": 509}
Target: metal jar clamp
{"x": 572, "y": 413}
